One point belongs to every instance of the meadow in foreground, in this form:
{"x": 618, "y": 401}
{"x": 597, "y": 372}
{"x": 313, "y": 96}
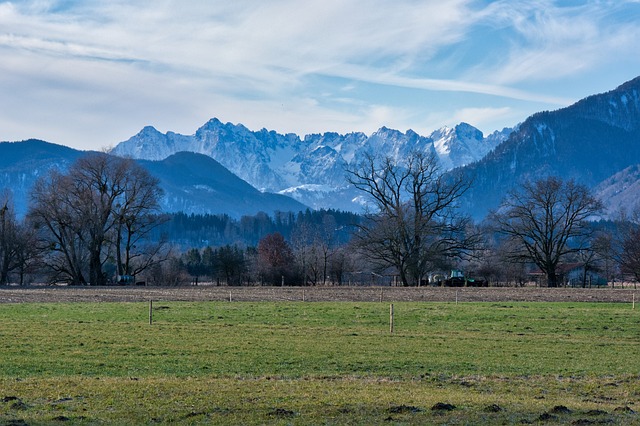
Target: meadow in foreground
{"x": 320, "y": 363}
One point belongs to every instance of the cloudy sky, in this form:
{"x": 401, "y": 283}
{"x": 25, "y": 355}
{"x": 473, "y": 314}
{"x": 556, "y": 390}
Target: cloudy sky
{"x": 90, "y": 73}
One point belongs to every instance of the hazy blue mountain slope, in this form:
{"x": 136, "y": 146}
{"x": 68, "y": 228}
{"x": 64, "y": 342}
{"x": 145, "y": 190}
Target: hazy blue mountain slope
{"x": 588, "y": 141}
{"x": 192, "y": 183}
{"x": 22, "y": 163}
{"x": 621, "y": 191}
{"x": 195, "y": 183}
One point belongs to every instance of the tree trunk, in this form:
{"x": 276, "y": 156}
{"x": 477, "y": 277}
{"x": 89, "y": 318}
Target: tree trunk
{"x": 118, "y": 244}
{"x": 403, "y": 278}
{"x": 95, "y": 269}
{"x": 4, "y": 270}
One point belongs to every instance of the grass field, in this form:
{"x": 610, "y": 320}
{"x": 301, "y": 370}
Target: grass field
{"x": 319, "y": 363}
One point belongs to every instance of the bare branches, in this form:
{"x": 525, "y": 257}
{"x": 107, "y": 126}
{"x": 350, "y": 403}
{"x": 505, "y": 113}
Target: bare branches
{"x": 545, "y": 221}
{"x": 103, "y": 204}
{"x": 414, "y": 224}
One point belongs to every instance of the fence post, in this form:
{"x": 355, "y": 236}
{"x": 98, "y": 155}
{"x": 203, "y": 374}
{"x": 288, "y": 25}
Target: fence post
{"x": 391, "y": 318}
{"x": 150, "y": 312}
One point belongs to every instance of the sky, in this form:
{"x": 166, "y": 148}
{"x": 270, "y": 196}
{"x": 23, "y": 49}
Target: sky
{"x": 89, "y": 74}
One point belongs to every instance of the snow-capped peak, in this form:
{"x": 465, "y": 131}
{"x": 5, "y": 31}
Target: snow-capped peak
{"x": 275, "y": 162}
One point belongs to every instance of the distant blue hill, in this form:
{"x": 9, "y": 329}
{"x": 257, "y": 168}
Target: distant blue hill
{"x": 193, "y": 183}
{"x": 22, "y": 163}
{"x": 196, "y": 183}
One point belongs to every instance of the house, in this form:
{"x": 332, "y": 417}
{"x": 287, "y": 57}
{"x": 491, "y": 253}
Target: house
{"x": 571, "y": 275}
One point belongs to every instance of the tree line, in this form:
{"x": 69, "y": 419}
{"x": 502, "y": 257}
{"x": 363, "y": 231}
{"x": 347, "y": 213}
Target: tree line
{"x": 100, "y": 223}
{"x": 202, "y": 230}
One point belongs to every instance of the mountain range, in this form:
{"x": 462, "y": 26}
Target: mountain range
{"x": 595, "y": 141}
{"x": 309, "y": 169}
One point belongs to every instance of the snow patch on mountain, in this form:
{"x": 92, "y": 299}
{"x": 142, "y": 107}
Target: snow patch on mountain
{"x": 311, "y": 169}
{"x": 621, "y": 192}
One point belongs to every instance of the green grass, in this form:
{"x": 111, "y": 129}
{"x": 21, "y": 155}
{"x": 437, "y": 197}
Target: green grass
{"x": 318, "y": 363}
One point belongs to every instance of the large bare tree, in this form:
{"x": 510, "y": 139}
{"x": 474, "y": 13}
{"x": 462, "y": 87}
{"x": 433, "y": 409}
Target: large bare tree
{"x": 16, "y": 245}
{"x": 87, "y": 216}
{"x": 56, "y": 214}
{"x": 136, "y": 214}
{"x": 546, "y": 220}
{"x": 414, "y": 225}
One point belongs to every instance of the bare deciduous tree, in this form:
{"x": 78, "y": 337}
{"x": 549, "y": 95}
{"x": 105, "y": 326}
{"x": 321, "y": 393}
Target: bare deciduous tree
{"x": 137, "y": 215}
{"x": 546, "y": 221}
{"x": 415, "y": 224}
{"x": 102, "y": 204}
{"x": 16, "y": 244}
{"x": 313, "y": 245}
{"x": 628, "y": 247}
{"x": 56, "y": 214}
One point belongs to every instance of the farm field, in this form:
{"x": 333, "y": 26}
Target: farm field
{"x": 285, "y": 361}
{"x": 12, "y": 294}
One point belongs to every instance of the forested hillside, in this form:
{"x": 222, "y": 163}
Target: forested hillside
{"x": 202, "y": 230}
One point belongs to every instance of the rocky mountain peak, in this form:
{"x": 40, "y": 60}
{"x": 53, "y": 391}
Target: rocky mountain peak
{"x": 275, "y": 162}
{"x": 467, "y": 131}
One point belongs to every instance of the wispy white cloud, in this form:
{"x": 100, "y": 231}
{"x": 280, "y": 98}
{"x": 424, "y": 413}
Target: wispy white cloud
{"x": 61, "y": 48}
{"x": 550, "y": 41}
{"x": 266, "y": 42}
{"x": 364, "y": 74}
{"x": 94, "y": 64}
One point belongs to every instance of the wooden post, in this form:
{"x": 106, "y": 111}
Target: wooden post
{"x": 633, "y": 301}
{"x": 229, "y": 296}
{"x": 456, "y": 297}
{"x": 381, "y": 294}
{"x": 303, "y": 295}
{"x": 150, "y": 312}
{"x": 391, "y": 318}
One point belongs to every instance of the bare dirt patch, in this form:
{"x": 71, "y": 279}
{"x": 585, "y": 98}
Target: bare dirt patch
{"x": 36, "y": 294}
